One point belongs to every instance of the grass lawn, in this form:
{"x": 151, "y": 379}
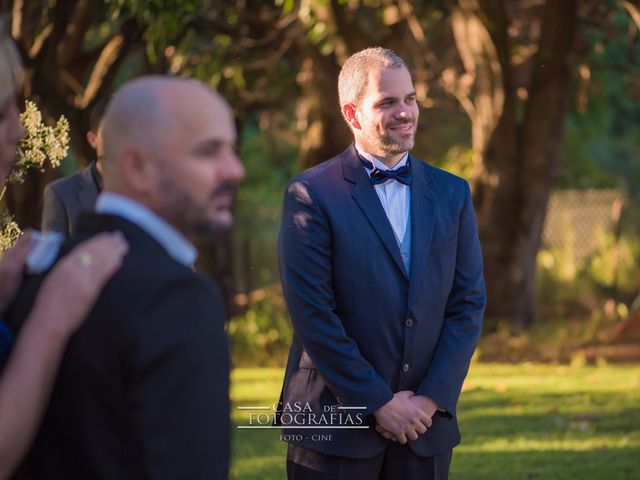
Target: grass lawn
{"x": 522, "y": 422}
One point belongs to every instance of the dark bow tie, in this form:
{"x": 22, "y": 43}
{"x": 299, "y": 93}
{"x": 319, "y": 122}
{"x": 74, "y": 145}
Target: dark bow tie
{"x": 402, "y": 174}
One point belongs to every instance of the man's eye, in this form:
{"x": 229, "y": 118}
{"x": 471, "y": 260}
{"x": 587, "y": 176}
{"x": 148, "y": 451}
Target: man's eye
{"x": 213, "y": 151}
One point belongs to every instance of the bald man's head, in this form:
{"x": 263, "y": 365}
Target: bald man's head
{"x": 169, "y": 144}
{"x": 139, "y": 115}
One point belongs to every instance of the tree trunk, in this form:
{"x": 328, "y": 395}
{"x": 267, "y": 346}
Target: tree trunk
{"x": 323, "y": 131}
{"x": 516, "y": 160}
{"x": 542, "y": 139}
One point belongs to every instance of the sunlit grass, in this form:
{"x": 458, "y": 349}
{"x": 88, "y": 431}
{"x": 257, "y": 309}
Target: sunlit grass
{"x": 539, "y": 421}
{"x": 518, "y": 422}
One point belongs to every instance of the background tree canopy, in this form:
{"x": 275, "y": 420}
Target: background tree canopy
{"x": 519, "y": 97}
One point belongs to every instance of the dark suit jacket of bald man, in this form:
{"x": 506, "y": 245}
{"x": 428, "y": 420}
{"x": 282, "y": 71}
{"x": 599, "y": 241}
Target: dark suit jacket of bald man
{"x": 66, "y": 198}
{"x": 143, "y": 388}
{"x": 363, "y": 327}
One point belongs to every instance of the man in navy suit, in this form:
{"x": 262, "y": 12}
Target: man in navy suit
{"x": 381, "y": 270}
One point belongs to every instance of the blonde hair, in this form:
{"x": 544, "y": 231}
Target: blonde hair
{"x": 10, "y": 63}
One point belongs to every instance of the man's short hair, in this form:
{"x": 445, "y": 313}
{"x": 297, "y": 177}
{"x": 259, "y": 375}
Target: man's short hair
{"x": 354, "y": 75}
{"x": 97, "y": 112}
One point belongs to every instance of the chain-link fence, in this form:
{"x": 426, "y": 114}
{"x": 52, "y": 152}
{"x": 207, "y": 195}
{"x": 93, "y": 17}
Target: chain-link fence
{"x": 575, "y": 219}
{"x": 586, "y": 258}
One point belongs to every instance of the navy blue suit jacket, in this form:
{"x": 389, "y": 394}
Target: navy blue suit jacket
{"x": 363, "y": 328}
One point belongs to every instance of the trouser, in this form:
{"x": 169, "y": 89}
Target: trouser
{"x": 394, "y": 462}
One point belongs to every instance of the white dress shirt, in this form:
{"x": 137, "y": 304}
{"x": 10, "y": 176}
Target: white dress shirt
{"x": 394, "y": 196}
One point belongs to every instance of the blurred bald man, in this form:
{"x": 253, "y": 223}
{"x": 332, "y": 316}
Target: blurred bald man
{"x": 143, "y": 390}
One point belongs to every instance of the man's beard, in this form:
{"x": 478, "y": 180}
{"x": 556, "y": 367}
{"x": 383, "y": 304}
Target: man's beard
{"x": 180, "y": 209}
{"x": 385, "y": 142}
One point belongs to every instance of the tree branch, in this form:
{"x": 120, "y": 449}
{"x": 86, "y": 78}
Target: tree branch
{"x": 73, "y": 40}
{"x": 39, "y": 41}
{"x": 634, "y": 12}
{"x": 107, "y": 58}
{"x": 16, "y": 20}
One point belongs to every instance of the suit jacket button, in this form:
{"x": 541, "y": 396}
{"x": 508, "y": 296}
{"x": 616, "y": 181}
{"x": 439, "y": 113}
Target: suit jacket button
{"x": 405, "y": 367}
{"x": 409, "y": 322}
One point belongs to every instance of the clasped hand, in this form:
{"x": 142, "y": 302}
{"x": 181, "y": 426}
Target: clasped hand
{"x": 405, "y": 416}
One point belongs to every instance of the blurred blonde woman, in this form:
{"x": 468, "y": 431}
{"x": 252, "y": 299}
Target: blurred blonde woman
{"x": 28, "y": 363}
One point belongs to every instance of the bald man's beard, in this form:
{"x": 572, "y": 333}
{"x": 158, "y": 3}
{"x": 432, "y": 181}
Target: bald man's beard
{"x": 180, "y": 209}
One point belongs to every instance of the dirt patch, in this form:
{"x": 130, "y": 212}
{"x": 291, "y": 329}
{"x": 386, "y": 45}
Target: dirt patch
{"x": 503, "y": 347}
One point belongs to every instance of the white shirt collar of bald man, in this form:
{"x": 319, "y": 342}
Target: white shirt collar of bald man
{"x": 176, "y": 244}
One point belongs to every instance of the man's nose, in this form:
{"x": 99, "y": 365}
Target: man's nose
{"x": 403, "y": 113}
{"x": 235, "y": 169}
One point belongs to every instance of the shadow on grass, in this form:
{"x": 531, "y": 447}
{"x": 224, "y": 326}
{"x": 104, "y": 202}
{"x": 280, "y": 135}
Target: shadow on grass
{"x": 263, "y": 458}
{"x": 260, "y": 455}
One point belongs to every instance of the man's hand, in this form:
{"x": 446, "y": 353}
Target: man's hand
{"x": 400, "y": 419}
{"x": 425, "y": 404}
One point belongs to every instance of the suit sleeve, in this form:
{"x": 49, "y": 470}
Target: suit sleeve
{"x": 463, "y": 317}
{"x": 54, "y": 215}
{"x": 180, "y": 383}
{"x": 306, "y": 276}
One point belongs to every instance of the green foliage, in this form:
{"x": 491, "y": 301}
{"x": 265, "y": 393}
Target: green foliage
{"x": 612, "y": 271}
{"x": 602, "y": 136}
{"x": 459, "y": 161}
{"x": 270, "y": 162}
{"x": 615, "y": 263}
{"x": 602, "y": 149}
{"x": 163, "y": 21}
{"x": 263, "y": 334}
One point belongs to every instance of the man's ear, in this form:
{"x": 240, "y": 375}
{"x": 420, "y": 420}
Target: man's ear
{"x": 92, "y": 139}
{"x": 138, "y": 170}
{"x": 349, "y": 112}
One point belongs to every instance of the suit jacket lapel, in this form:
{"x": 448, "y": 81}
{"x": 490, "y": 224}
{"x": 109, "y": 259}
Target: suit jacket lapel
{"x": 87, "y": 191}
{"x": 365, "y": 196}
{"x": 422, "y": 220}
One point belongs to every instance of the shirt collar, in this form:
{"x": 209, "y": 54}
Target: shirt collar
{"x": 378, "y": 164}
{"x": 176, "y": 245}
